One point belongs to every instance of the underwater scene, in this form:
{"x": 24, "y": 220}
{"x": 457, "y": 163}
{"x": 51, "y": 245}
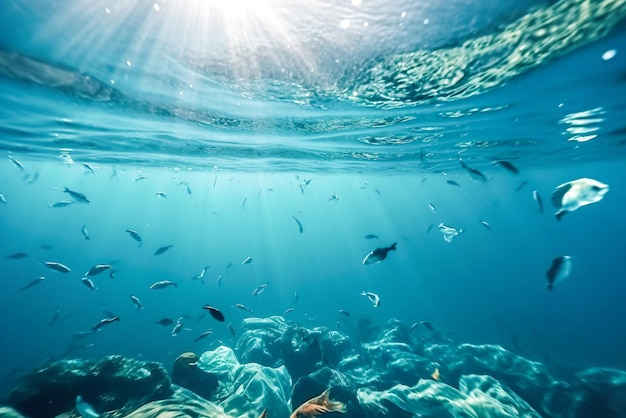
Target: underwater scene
{"x": 349, "y": 208}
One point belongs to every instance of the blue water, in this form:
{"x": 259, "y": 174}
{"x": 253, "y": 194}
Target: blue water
{"x": 246, "y": 136}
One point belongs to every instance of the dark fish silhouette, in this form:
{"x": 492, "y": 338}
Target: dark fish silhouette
{"x": 507, "y": 166}
{"x": 521, "y": 185}
{"x": 79, "y": 197}
{"x": 165, "y": 322}
{"x": 215, "y": 313}
{"x": 16, "y": 256}
{"x": 135, "y": 235}
{"x": 55, "y": 318}
{"x": 299, "y": 224}
{"x": 559, "y": 270}
{"x": 378, "y": 255}
{"x": 16, "y": 163}
{"x": 203, "y": 335}
{"x": 97, "y": 269}
{"x": 31, "y": 284}
{"x": 474, "y": 173}
{"x": 104, "y": 322}
{"x": 453, "y": 183}
{"x": 161, "y": 250}
{"x": 371, "y": 236}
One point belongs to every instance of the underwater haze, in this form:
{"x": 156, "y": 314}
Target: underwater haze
{"x": 263, "y": 158}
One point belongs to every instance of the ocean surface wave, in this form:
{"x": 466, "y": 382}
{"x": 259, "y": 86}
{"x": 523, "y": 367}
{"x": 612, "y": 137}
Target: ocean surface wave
{"x": 417, "y": 105}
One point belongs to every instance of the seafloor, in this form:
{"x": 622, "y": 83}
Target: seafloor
{"x": 394, "y": 371}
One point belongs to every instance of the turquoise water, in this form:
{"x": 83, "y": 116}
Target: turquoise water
{"x": 245, "y": 119}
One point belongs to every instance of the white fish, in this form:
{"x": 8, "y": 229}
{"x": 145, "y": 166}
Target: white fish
{"x": 85, "y": 232}
{"x": 162, "y": 195}
{"x": 162, "y": 284}
{"x": 247, "y": 260}
{"x": 84, "y": 409}
{"x": 3, "y": 199}
{"x": 577, "y": 193}
{"x": 57, "y": 266}
{"x": 17, "y": 163}
{"x": 60, "y": 204}
{"x": 449, "y": 232}
{"x": 373, "y": 297}
{"x": 89, "y": 283}
{"x": 178, "y": 327}
{"x": 260, "y": 288}
{"x": 560, "y": 269}
{"x": 136, "y": 301}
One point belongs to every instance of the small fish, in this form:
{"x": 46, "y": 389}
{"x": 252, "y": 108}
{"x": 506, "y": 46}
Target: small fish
{"x": 319, "y": 405}
{"x": 88, "y": 168}
{"x": 231, "y": 328}
{"x": 136, "y": 301}
{"x": 16, "y": 256}
{"x": 453, "y": 183}
{"x": 299, "y": 224}
{"x": 57, "y": 266}
{"x": 333, "y": 196}
{"x": 430, "y": 228}
{"x": 296, "y": 297}
{"x": 373, "y": 297}
{"x": 34, "y": 178}
{"x": 219, "y": 280}
{"x": 202, "y": 273}
{"x": 436, "y": 375}
{"x": 575, "y": 194}
{"x": 162, "y": 285}
{"x": 247, "y": 260}
{"x": 288, "y": 311}
{"x": 537, "y": 198}
{"x": 161, "y": 250}
{"x": 165, "y": 322}
{"x": 84, "y": 409}
{"x": 432, "y": 208}
{"x": 32, "y": 284}
{"x": 17, "y": 163}
{"x": 178, "y": 327}
{"x": 83, "y": 334}
{"x": 3, "y": 199}
{"x": 259, "y": 289}
{"x": 85, "y": 233}
{"x": 243, "y": 204}
{"x": 427, "y": 324}
{"x": 474, "y": 173}
{"x": 104, "y": 322}
{"x": 162, "y": 195}
{"x": 378, "y": 255}
{"x": 135, "y": 235}
{"x": 449, "y": 232}
{"x": 486, "y": 224}
{"x": 203, "y": 335}
{"x": 89, "y": 283}
{"x": 97, "y": 269}
{"x": 140, "y": 178}
{"x": 55, "y": 318}
{"x": 559, "y": 270}
{"x": 77, "y": 195}
{"x": 507, "y": 166}
{"x": 46, "y": 247}
{"x": 243, "y": 307}
{"x": 371, "y": 236}
{"x": 423, "y": 180}
{"x": 521, "y": 185}
{"x": 215, "y": 313}
{"x": 343, "y": 312}
{"x": 60, "y": 204}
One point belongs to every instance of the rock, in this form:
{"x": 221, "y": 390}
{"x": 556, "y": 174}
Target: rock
{"x": 247, "y": 388}
{"x": 113, "y": 383}
{"x": 607, "y": 386}
{"x": 185, "y": 373}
